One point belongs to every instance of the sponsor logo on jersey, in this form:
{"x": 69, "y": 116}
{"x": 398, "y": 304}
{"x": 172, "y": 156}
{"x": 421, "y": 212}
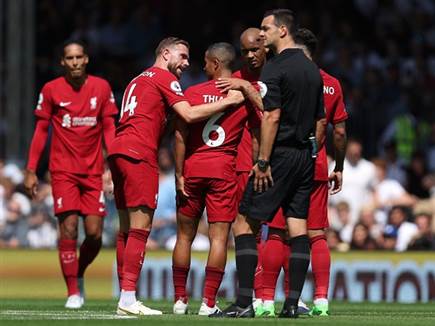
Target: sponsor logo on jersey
{"x": 68, "y": 122}
{"x": 93, "y": 102}
{"x": 64, "y": 104}
{"x": 263, "y": 88}
{"x": 175, "y": 86}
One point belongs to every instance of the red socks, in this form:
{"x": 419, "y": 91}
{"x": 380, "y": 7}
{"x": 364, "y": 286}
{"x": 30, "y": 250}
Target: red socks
{"x": 69, "y": 264}
{"x": 134, "y": 254}
{"x": 179, "y": 277}
{"x": 258, "y": 279}
{"x": 88, "y": 251}
{"x": 121, "y": 242}
{"x": 320, "y": 264}
{"x": 273, "y": 252}
{"x": 213, "y": 279}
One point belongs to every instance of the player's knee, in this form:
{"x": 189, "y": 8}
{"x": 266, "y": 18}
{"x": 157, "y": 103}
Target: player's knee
{"x": 68, "y": 232}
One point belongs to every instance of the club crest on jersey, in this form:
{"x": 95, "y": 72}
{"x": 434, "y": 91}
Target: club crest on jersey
{"x": 93, "y": 102}
{"x": 263, "y": 88}
{"x": 175, "y": 86}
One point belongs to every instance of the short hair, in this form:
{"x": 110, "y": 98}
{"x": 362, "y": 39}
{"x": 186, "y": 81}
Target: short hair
{"x": 305, "y": 37}
{"x": 223, "y": 51}
{"x": 283, "y": 17}
{"x": 170, "y": 41}
{"x": 73, "y": 41}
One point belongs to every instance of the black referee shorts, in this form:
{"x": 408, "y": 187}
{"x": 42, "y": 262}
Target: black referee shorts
{"x": 292, "y": 173}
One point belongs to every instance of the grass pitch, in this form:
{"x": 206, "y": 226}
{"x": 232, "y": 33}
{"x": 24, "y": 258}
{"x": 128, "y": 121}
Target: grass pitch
{"x": 102, "y": 312}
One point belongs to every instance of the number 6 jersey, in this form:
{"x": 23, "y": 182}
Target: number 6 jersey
{"x": 211, "y": 147}
{"x": 143, "y": 115}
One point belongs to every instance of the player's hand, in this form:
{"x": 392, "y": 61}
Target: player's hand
{"x": 181, "y": 192}
{"x": 336, "y": 181}
{"x": 235, "y": 97}
{"x": 225, "y": 84}
{"x": 31, "y": 183}
{"x": 262, "y": 180}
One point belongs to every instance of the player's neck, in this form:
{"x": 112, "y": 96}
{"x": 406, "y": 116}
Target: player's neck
{"x": 284, "y": 44}
{"x": 76, "y": 83}
{"x": 224, "y": 73}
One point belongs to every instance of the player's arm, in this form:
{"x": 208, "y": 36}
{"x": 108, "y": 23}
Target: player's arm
{"x": 108, "y": 129}
{"x": 255, "y": 134}
{"x": 36, "y": 147}
{"x": 249, "y": 91}
{"x": 339, "y": 140}
{"x": 181, "y": 134}
{"x": 191, "y": 114}
{"x": 269, "y": 129}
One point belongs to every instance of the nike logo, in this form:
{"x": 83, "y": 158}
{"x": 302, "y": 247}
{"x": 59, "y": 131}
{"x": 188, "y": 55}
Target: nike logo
{"x": 63, "y": 104}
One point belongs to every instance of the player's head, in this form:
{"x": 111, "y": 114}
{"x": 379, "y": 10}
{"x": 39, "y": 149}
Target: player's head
{"x": 74, "y": 59}
{"x": 218, "y": 57}
{"x": 175, "y": 54}
{"x": 252, "y": 48}
{"x": 306, "y": 40}
{"x": 277, "y": 25}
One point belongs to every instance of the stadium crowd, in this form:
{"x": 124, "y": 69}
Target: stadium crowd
{"x": 383, "y": 54}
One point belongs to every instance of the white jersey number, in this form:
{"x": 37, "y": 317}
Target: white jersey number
{"x": 130, "y": 103}
{"x": 210, "y": 127}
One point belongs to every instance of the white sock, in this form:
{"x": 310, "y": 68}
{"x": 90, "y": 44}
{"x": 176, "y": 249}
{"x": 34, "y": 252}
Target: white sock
{"x": 320, "y": 301}
{"x": 268, "y": 303}
{"x": 127, "y": 298}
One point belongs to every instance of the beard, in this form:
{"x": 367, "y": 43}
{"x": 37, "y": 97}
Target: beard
{"x": 172, "y": 67}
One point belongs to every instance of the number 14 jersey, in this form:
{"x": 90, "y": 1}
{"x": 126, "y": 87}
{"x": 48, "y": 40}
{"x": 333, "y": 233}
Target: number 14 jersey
{"x": 211, "y": 147}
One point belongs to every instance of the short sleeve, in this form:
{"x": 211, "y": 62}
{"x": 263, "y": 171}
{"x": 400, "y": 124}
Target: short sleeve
{"x": 340, "y": 113}
{"x": 44, "y": 107}
{"x": 171, "y": 89}
{"x": 320, "y": 110}
{"x": 254, "y": 119}
{"x": 109, "y": 107}
{"x": 270, "y": 84}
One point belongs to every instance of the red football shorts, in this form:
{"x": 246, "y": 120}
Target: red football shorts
{"x": 318, "y": 212}
{"x": 217, "y": 195}
{"x": 136, "y": 182}
{"x": 242, "y": 180}
{"x": 278, "y": 221}
{"x": 78, "y": 192}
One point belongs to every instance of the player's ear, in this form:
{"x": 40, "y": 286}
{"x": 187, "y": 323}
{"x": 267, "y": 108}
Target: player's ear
{"x": 165, "y": 54}
{"x": 283, "y": 31}
{"x": 216, "y": 63}
{"x": 86, "y": 59}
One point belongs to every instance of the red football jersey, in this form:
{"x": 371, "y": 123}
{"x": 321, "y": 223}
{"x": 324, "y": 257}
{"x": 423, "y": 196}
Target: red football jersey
{"x": 212, "y": 144}
{"x": 335, "y": 112}
{"x": 244, "y": 150}
{"x": 145, "y": 106}
{"x": 76, "y": 115}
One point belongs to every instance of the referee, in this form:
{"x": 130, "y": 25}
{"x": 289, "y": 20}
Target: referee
{"x": 283, "y": 174}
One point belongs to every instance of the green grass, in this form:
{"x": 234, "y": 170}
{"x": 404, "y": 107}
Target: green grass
{"x": 101, "y": 312}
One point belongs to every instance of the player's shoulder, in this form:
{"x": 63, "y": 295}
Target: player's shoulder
{"x": 237, "y": 74}
{"x": 197, "y": 88}
{"x": 98, "y": 82}
{"x": 329, "y": 79}
{"x": 56, "y": 82}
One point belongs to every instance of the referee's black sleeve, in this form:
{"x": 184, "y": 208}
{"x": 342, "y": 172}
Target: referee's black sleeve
{"x": 271, "y": 78}
{"x": 320, "y": 113}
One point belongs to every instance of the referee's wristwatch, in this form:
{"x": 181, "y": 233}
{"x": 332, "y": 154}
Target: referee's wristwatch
{"x": 262, "y": 165}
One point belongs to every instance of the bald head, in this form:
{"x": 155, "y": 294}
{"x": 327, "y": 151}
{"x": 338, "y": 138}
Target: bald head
{"x": 252, "y": 49}
{"x": 251, "y": 34}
